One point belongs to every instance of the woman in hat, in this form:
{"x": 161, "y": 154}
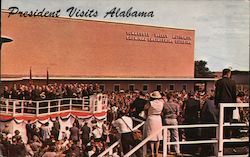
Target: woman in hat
{"x": 154, "y": 121}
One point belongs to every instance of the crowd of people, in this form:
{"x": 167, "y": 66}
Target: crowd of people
{"x": 50, "y": 91}
{"x": 91, "y": 138}
{"x": 79, "y": 140}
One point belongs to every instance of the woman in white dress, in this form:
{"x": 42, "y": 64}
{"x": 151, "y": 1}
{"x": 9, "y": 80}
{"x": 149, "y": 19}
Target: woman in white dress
{"x": 154, "y": 121}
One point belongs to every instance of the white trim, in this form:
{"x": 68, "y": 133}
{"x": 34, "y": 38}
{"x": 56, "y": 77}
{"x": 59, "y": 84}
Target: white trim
{"x": 233, "y": 104}
{"x": 110, "y": 78}
{"x": 12, "y": 79}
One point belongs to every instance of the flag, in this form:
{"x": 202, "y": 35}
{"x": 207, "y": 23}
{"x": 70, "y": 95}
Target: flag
{"x": 47, "y": 80}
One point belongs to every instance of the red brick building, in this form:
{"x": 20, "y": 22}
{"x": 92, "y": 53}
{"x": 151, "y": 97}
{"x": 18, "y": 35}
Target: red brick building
{"x": 115, "y": 55}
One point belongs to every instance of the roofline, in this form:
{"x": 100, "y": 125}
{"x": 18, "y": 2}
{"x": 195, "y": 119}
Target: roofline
{"x": 114, "y": 22}
{"x": 112, "y": 78}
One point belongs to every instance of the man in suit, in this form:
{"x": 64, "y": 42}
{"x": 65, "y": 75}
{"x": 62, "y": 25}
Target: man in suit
{"x": 85, "y": 134}
{"x": 225, "y": 92}
{"x": 191, "y": 110}
{"x": 74, "y": 132}
{"x": 209, "y": 115}
{"x": 29, "y": 131}
{"x": 57, "y": 127}
{"x": 137, "y": 106}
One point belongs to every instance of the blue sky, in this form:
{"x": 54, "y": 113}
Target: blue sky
{"x": 221, "y": 26}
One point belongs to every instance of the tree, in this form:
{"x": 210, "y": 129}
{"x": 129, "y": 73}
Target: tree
{"x": 201, "y": 71}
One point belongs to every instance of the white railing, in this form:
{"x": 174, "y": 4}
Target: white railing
{"x": 222, "y": 124}
{"x": 109, "y": 151}
{"x": 219, "y": 140}
{"x": 16, "y": 107}
{"x": 165, "y": 143}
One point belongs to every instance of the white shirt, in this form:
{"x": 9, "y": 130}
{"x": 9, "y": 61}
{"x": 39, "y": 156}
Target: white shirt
{"x": 67, "y": 134}
{"x": 97, "y": 133}
{"x": 114, "y": 108}
{"x": 121, "y": 126}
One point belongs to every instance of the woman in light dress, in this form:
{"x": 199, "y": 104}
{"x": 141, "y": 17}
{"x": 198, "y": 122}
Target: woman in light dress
{"x": 154, "y": 121}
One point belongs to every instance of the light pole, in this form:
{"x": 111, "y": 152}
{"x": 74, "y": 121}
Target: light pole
{"x": 2, "y": 40}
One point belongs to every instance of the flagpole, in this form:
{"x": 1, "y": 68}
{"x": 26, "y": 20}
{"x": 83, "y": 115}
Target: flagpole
{"x": 47, "y": 78}
{"x": 30, "y": 81}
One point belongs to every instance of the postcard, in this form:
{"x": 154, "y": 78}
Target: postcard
{"x": 76, "y": 60}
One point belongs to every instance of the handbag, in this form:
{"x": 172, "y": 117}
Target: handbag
{"x": 136, "y": 134}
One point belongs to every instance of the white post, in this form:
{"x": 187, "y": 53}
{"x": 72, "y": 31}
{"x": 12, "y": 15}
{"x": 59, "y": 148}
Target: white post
{"x": 92, "y": 104}
{"x": 111, "y": 152}
{"x": 14, "y": 108}
{"x": 59, "y": 105}
{"x": 7, "y": 106}
{"x": 22, "y": 107}
{"x": 165, "y": 131}
{"x": 221, "y": 128}
{"x": 144, "y": 148}
{"x": 37, "y": 108}
{"x": 70, "y": 104}
{"x": 83, "y": 101}
{"x": 216, "y": 145}
{"x": 49, "y": 107}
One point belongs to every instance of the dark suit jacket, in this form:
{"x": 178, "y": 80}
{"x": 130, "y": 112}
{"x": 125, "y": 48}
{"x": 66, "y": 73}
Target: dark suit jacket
{"x": 192, "y": 107}
{"x": 225, "y": 91}
{"x": 209, "y": 113}
{"x": 138, "y": 105}
{"x": 85, "y": 132}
